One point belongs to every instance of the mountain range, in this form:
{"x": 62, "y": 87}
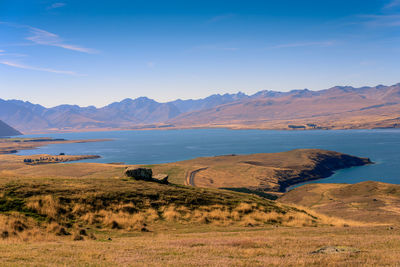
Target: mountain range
{"x": 340, "y": 107}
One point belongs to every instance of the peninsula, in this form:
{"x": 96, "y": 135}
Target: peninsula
{"x": 265, "y": 172}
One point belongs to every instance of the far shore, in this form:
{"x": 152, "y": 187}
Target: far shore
{"x": 203, "y": 127}
{"x": 13, "y": 145}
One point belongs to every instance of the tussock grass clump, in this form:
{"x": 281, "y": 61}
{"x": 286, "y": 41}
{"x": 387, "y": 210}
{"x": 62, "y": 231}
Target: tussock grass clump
{"x": 15, "y": 226}
{"x": 47, "y": 205}
{"x": 330, "y": 220}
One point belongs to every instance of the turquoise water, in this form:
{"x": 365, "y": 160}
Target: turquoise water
{"x": 150, "y": 147}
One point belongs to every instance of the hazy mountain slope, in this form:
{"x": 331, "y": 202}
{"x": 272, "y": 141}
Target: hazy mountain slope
{"x": 140, "y": 110}
{"x": 6, "y": 130}
{"x": 126, "y": 113}
{"x": 21, "y": 115}
{"x": 328, "y": 108}
{"x": 208, "y": 102}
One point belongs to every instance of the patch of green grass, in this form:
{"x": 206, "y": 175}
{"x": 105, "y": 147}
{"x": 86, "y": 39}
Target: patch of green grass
{"x": 255, "y": 192}
{"x": 147, "y": 166}
{"x": 9, "y": 204}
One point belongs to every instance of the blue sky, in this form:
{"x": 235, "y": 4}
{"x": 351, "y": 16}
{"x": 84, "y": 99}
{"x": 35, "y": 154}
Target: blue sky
{"x": 96, "y": 52}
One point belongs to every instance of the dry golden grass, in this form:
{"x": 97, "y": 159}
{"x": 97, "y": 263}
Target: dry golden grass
{"x": 367, "y": 202}
{"x": 47, "y": 205}
{"x": 15, "y": 227}
{"x": 214, "y": 246}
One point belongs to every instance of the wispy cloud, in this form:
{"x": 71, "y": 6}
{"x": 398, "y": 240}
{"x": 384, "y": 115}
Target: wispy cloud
{"x": 22, "y": 66}
{"x": 56, "y": 5}
{"x": 392, "y": 4}
{"x": 390, "y": 20}
{"x": 305, "y": 44}
{"x": 215, "y": 47}
{"x": 220, "y": 18}
{"x": 43, "y": 37}
{"x": 3, "y": 53}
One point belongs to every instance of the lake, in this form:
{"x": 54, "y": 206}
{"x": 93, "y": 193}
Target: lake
{"x": 151, "y": 147}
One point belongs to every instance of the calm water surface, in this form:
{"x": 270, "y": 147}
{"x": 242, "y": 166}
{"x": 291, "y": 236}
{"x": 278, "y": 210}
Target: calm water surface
{"x": 150, "y": 147}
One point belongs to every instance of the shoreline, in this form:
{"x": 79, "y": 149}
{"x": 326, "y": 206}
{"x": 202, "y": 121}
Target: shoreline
{"x": 263, "y": 172}
{"x": 14, "y": 145}
{"x": 160, "y": 128}
{"x": 323, "y": 172}
{"x": 279, "y": 175}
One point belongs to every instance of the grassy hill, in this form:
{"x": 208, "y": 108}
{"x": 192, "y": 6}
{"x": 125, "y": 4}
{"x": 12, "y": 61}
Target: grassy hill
{"x": 109, "y": 221}
{"x": 371, "y": 202}
{"x": 265, "y": 172}
{"x": 36, "y": 207}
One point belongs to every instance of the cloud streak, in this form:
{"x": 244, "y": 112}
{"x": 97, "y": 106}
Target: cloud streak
{"x": 220, "y": 18}
{"x": 392, "y": 4}
{"x": 305, "y": 44}
{"x": 215, "y": 47}
{"x": 26, "y": 67}
{"x": 56, "y": 5}
{"x": 42, "y": 37}
{"x": 382, "y": 20}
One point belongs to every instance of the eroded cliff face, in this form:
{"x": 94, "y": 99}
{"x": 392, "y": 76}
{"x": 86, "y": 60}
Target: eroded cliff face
{"x": 325, "y": 164}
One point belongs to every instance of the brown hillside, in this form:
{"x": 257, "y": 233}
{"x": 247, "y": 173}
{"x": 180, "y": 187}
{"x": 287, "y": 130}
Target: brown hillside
{"x": 335, "y": 108}
{"x": 371, "y": 202}
{"x": 266, "y": 172}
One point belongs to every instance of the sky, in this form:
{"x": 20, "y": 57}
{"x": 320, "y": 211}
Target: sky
{"x": 96, "y": 52}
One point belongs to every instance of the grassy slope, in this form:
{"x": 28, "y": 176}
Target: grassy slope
{"x": 45, "y": 205}
{"x": 268, "y": 172}
{"x": 371, "y": 202}
{"x": 175, "y": 239}
{"x": 265, "y": 172}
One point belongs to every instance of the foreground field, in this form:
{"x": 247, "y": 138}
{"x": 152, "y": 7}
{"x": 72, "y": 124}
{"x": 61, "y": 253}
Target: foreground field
{"x": 208, "y": 246}
{"x": 76, "y": 208}
{"x": 370, "y": 202}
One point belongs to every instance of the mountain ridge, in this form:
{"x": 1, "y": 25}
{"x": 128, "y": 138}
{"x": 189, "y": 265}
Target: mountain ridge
{"x": 371, "y": 107}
